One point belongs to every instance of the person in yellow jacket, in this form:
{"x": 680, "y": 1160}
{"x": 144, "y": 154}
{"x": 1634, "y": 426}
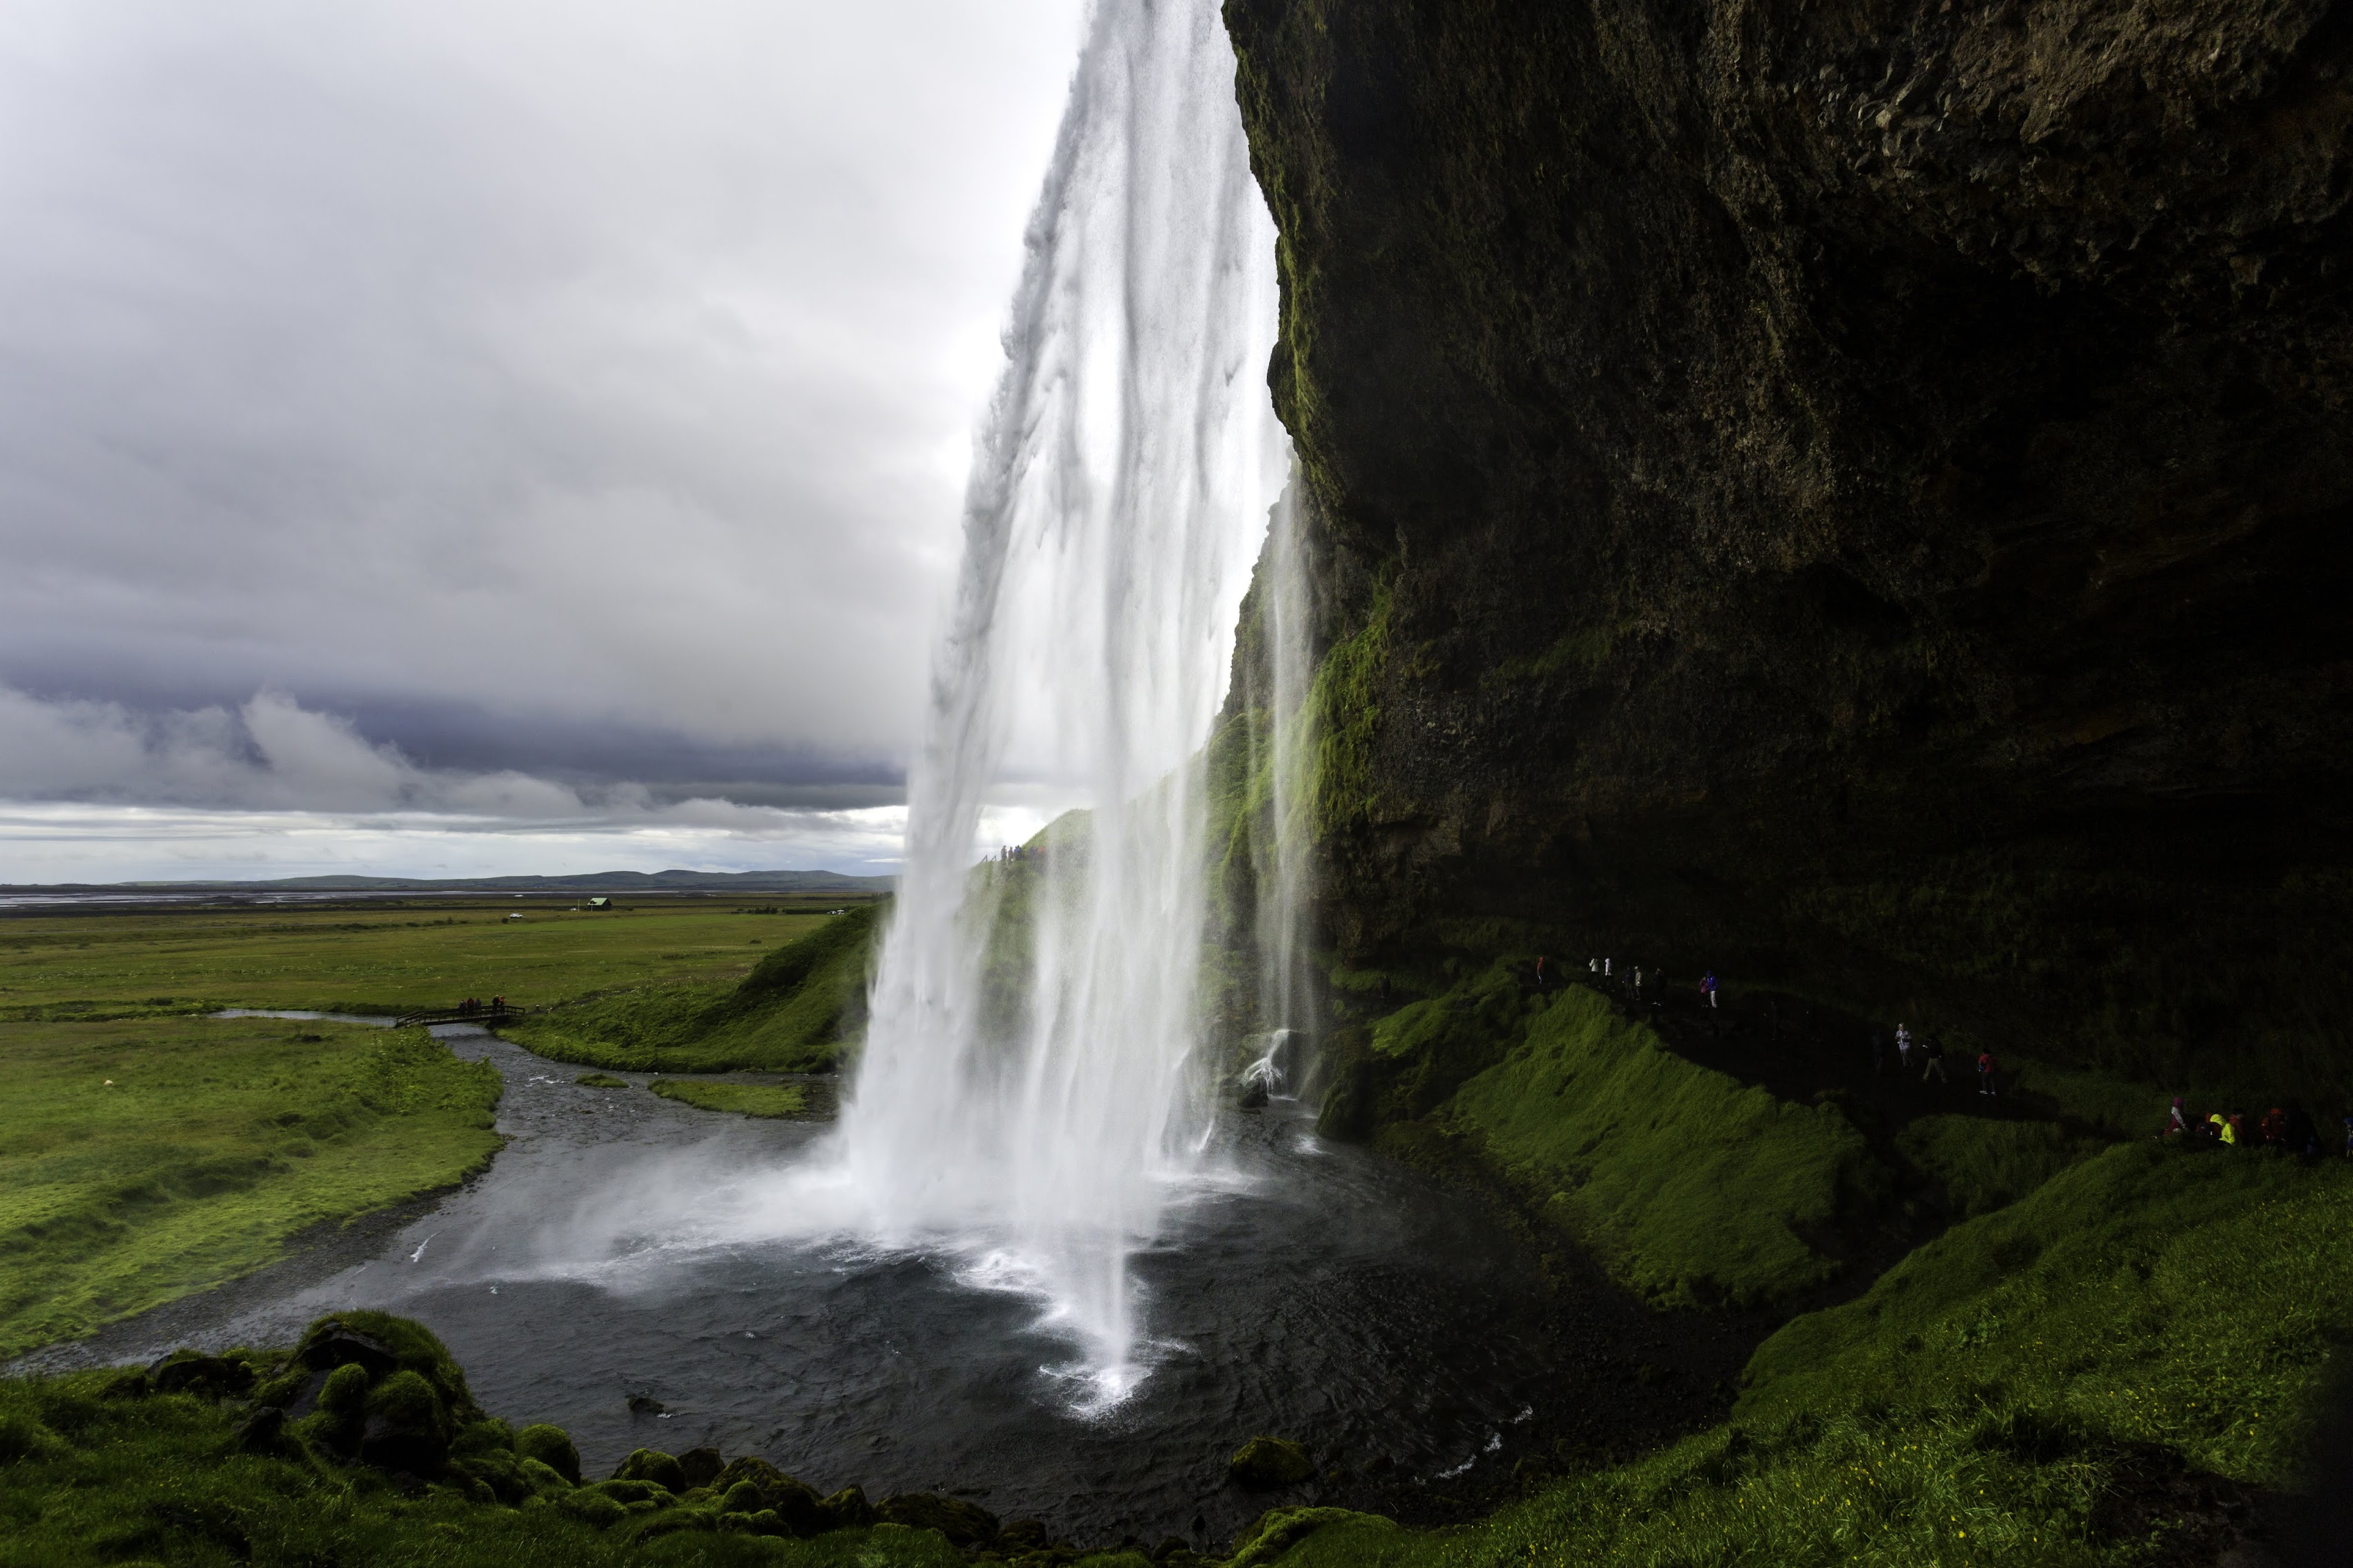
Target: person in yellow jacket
{"x": 2224, "y": 1134}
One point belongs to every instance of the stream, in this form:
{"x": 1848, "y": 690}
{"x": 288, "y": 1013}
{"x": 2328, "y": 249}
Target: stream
{"x": 593, "y": 1278}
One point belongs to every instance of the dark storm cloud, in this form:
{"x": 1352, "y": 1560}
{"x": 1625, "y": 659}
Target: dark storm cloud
{"x": 511, "y": 403}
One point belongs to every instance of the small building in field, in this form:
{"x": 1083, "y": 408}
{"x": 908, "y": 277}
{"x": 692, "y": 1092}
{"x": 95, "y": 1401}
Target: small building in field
{"x": 600, "y": 903}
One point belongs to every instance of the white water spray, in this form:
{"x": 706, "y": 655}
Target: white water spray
{"x": 1027, "y": 1098}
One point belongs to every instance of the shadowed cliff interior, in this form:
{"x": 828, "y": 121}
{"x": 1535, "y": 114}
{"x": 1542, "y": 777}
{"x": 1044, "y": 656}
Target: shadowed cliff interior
{"x": 1849, "y": 496}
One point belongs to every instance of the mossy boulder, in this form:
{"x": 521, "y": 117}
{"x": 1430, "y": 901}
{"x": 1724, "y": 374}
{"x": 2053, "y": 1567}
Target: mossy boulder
{"x": 544, "y": 1480}
{"x": 701, "y": 1467}
{"x": 406, "y": 1427}
{"x": 752, "y": 1485}
{"x": 590, "y": 1505}
{"x": 964, "y": 1523}
{"x": 364, "y": 1337}
{"x": 1264, "y": 1464}
{"x": 552, "y": 1447}
{"x": 600, "y": 1080}
{"x": 652, "y": 1465}
{"x": 849, "y": 1509}
{"x": 632, "y": 1490}
{"x": 205, "y": 1376}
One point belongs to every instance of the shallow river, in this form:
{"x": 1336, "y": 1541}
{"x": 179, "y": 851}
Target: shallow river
{"x": 1310, "y": 1290}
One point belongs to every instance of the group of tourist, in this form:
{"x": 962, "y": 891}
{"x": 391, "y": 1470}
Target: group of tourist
{"x": 472, "y": 1006}
{"x": 1926, "y": 1053}
{"x": 2287, "y": 1129}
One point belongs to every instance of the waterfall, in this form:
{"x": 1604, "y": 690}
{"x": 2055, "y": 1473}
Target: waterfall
{"x": 1032, "y": 1082}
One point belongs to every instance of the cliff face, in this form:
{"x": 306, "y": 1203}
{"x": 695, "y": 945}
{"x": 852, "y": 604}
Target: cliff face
{"x": 1854, "y": 495}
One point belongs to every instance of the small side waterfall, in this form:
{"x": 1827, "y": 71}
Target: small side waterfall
{"x": 1032, "y": 1082}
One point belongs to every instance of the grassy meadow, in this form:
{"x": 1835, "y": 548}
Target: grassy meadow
{"x": 143, "y": 1159}
{"x": 795, "y": 1011}
{"x": 147, "y": 1150}
{"x": 370, "y": 959}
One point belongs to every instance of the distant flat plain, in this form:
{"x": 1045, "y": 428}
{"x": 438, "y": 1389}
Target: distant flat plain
{"x": 147, "y": 1150}
{"x": 374, "y": 958}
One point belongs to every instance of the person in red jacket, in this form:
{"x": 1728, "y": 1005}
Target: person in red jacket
{"x": 1985, "y": 1072}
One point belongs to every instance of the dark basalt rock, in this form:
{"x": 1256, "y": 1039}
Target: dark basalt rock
{"x": 1845, "y": 497}
{"x": 264, "y": 1432}
{"x": 1265, "y": 1464}
{"x": 330, "y": 1343}
{"x": 964, "y": 1523}
{"x": 1253, "y": 1096}
{"x": 208, "y": 1377}
{"x": 701, "y": 1467}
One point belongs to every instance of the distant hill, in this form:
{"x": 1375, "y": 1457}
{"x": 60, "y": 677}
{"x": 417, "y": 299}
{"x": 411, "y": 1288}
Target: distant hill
{"x": 592, "y": 881}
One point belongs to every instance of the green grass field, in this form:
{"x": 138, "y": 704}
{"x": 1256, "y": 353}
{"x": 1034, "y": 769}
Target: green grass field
{"x": 794, "y": 1011}
{"x": 370, "y": 960}
{"x": 768, "y": 1100}
{"x": 146, "y": 1158}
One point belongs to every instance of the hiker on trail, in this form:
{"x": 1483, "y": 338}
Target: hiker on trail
{"x": 2274, "y": 1129}
{"x": 2239, "y": 1136}
{"x": 1540, "y": 973}
{"x": 1904, "y": 1047}
{"x": 1985, "y": 1073}
{"x": 498, "y": 1003}
{"x": 1707, "y": 987}
{"x": 2177, "y": 1121}
{"x": 2302, "y": 1137}
{"x": 2218, "y": 1127}
{"x": 1935, "y": 1052}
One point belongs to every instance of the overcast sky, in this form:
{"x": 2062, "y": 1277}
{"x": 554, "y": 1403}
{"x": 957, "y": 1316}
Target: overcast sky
{"x": 445, "y": 438}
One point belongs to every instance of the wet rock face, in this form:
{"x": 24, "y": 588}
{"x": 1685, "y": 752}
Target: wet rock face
{"x": 1850, "y": 494}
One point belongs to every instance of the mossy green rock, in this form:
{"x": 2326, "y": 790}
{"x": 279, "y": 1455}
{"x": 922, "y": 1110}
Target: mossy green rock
{"x": 1264, "y": 1464}
{"x": 849, "y": 1509}
{"x": 552, "y": 1447}
{"x": 752, "y": 1485}
{"x": 590, "y": 1505}
{"x": 406, "y": 1428}
{"x": 652, "y": 1465}
{"x": 964, "y": 1523}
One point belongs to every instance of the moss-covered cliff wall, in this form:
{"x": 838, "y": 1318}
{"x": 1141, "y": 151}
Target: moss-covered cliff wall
{"x": 1850, "y": 494}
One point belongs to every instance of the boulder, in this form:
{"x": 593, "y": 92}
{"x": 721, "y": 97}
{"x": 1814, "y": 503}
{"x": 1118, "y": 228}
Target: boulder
{"x": 207, "y": 1376}
{"x": 552, "y": 1447}
{"x": 264, "y": 1432}
{"x": 849, "y": 1509}
{"x": 1263, "y": 1464}
{"x": 330, "y": 1343}
{"x": 701, "y": 1467}
{"x": 652, "y": 1465}
{"x": 406, "y": 1428}
{"x": 591, "y": 1506}
{"x": 1254, "y": 1095}
{"x": 964, "y": 1523}
{"x": 752, "y": 1485}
